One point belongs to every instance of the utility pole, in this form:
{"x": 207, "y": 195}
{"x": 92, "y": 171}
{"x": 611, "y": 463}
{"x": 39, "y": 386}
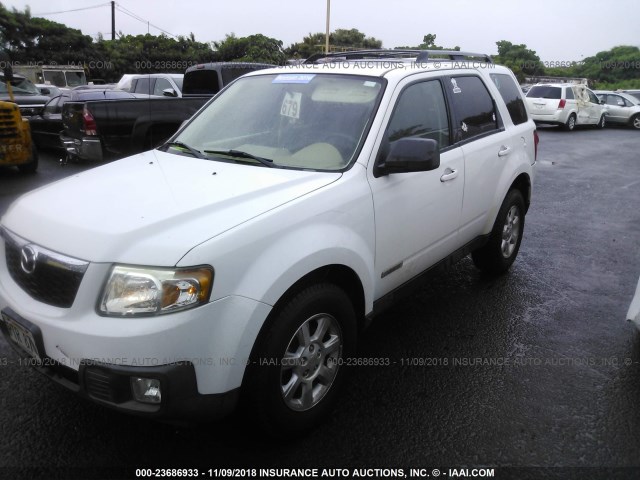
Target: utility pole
{"x": 327, "y": 35}
{"x": 113, "y": 20}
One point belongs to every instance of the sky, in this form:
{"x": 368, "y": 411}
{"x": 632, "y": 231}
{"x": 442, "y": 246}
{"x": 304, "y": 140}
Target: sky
{"x": 558, "y": 30}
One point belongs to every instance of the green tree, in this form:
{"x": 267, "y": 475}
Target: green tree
{"x": 429, "y": 43}
{"x": 339, "y": 40}
{"x": 520, "y": 59}
{"x": 254, "y": 48}
{"x": 610, "y": 69}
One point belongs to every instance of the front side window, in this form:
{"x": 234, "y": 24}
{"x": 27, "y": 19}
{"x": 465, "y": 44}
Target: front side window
{"x": 292, "y": 120}
{"x": 161, "y": 85}
{"x": 510, "y": 93}
{"x": 473, "y": 107}
{"x": 420, "y": 112}
{"x": 52, "y": 107}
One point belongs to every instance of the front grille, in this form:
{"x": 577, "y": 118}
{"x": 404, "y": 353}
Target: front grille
{"x": 102, "y": 384}
{"x": 49, "y": 277}
{"x": 98, "y": 385}
{"x": 8, "y": 125}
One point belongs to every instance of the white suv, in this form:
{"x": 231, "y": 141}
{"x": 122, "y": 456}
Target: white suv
{"x": 567, "y": 105}
{"x": 242, "y": 258}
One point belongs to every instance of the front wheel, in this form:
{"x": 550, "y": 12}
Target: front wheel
{"x": 500, "y": 251}
{"x": 635, "y": 121}
{"x": 601, "y": 122}
{"x": 297, "y": 367}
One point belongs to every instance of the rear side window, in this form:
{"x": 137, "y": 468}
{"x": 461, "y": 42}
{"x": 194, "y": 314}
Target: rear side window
{"x": 473, "y": 108}
{"x": 510, "y": 93}
{"x": 545, "y": 91}
{"x": 143, "y": 85}
{"x": 569, "y": 94}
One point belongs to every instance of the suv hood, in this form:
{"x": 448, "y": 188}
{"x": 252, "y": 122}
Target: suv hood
{"x": 154, "y": 207}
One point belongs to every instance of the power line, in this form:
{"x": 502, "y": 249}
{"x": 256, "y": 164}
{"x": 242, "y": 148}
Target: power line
{"x": 119, "y": 7}
{"x": 122, "y": 9}
{"x": 67, "y": 11}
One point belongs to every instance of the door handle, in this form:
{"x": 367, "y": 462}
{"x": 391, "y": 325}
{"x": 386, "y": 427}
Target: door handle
{"x": 449, "y": 174}
{"x": 504, "y": 150}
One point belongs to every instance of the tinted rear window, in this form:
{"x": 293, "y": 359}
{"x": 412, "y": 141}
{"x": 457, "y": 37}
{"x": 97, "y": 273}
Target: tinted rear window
{"x": 201, "y": 82}
{"x": 543, "y": 91}
{"x": 510, "y": 93}
{"x": 474, "y": 109}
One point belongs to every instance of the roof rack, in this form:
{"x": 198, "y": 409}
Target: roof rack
{"x": 381, "y": 54}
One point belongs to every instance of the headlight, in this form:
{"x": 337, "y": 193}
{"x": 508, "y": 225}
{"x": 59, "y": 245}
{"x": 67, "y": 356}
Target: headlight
{"x": 145, "y": 291}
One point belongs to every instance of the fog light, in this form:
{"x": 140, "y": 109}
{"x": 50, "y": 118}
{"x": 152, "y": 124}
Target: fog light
{"x": 146, "y": 390}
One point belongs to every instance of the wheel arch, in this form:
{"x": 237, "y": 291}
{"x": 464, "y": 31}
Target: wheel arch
{"x": 340, "y": 275}
{"x": 523, "y": 183}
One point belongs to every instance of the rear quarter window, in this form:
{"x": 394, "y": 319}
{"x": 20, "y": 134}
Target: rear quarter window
{"x": 510, "y": 93}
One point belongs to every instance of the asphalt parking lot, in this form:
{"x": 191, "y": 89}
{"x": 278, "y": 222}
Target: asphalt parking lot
{"x": 535, "y": 374}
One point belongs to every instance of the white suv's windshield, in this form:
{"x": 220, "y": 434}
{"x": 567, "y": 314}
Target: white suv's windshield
{"x": 310, "y": 121}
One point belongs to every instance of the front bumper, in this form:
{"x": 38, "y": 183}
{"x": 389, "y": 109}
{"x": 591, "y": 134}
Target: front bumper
{"x": 199, "y": 355}
{"x": 110, "y": 386}
{"x": 87, "y": 148}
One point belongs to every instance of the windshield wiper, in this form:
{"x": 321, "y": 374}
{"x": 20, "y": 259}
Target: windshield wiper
{"x": 267, "y": 162}
{"x": 191, "y": 150}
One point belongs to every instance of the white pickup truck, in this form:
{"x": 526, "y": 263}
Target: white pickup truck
{"x": 241, "y": 260}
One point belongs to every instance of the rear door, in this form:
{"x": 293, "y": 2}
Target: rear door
{"x": 486, "y": 145}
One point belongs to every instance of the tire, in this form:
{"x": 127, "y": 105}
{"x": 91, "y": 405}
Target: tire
{"x": 32, "y": 166}
{"x": 601, "y": 122}
{"x": 295, "y": 373}
{"x": 501, "y": 250}
{"x": 571, "y": 123}
{"x": 635, "y": 122}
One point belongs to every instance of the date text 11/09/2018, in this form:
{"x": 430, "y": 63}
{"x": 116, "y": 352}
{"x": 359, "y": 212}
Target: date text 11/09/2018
{"x": 304, "y": 473}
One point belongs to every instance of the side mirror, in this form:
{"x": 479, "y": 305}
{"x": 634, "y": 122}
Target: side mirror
{"x": 45, "y": 91}
{"x": 169, "y": 92}
{"x": 620, "y": 103}
{"x": 410, "y": 155}
{"x": 602, "y": 102}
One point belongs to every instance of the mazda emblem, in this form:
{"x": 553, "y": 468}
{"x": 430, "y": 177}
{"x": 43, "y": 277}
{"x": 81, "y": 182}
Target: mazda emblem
{"x": 28, "y": 259}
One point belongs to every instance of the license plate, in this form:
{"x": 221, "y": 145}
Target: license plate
{"x": 20, "y": 336}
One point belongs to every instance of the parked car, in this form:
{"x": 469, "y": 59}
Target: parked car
{"x": 567, "y": 105}
{"x": 26, "y": 95}
{"x": 621, "y": 108}
{"x": 47, "y": 126}
{"x": 115, "y": 129}
{"x": 48, "y": 90}
{"x": 634, "y": 93}
{"x": 243, "y": 258}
